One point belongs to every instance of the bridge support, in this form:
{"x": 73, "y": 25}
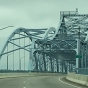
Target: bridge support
{"x": 36, "y": 61}
{"x": 57, "y": 62}
{"x": 44, "y": 61}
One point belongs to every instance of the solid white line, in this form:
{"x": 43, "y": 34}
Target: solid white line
{"x": 67, "y": 83}
{"x": 24, "y": 81}
{"x": 24, "y": 87}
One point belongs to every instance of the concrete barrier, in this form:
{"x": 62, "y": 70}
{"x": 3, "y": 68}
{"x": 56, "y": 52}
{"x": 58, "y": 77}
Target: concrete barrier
{"x": 46, "y": 74}
{"x": 78, "y": 78}
{"x": 8, "y": 75}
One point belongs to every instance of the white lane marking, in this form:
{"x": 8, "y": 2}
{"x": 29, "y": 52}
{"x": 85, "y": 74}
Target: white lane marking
{"x": 24, "y": 87}
{"x": 24, "y": 81}
{"x": 67, "y": 83}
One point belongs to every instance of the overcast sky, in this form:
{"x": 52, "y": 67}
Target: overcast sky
{"x": 34, "y": 14}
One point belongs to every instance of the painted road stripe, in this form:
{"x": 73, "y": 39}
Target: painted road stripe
{"x": 67, "y": 83}
{"x": 24, "y": 87}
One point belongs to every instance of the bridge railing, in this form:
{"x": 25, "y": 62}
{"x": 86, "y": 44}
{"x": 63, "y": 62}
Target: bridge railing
{"x": 83, "y": 71}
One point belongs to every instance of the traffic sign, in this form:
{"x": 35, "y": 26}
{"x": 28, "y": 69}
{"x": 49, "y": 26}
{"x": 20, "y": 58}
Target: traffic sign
{"x": 78, "y": 56}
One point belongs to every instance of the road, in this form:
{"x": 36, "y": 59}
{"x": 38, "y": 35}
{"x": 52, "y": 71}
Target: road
{"x": 34, "y": 82}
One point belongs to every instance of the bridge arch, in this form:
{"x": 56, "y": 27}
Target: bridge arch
{"x": 45, "y": 43}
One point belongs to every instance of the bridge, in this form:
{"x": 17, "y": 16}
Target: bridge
{"x": 52, "y": 50}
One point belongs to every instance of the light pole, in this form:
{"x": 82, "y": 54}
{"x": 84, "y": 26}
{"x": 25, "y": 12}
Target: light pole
{"x": 78, "y": 50}
{"x": 9, "y": 54}
{"x": 6, "y": 27}
{"x": 7, "y": 60}
{"x": 20, "y": 62}
{"x": 29, "y": 64}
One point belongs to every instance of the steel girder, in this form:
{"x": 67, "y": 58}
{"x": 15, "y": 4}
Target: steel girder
{"x": 33, "y": 35}
{"x": 72, "y": 26}
{"x": 48, "y": 42}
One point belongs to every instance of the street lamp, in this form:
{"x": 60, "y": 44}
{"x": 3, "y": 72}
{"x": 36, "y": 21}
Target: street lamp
{"x": 6, "y": 27}
{"x": 29, "y": 65}
{"x": 7, "y": 60}
{"x": 9, "y": 54}
{"x": 20, "y": 62}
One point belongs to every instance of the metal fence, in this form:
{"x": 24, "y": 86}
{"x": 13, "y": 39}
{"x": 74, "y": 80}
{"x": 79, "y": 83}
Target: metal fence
{"x": 83, "y": 71}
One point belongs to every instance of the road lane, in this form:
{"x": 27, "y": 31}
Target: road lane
{"x": 33, "y": 82}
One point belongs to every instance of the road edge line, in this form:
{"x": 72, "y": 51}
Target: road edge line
{"x": 67, "y": 83}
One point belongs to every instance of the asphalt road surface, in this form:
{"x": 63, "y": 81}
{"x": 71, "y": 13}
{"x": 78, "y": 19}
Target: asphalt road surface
{"x": 35, "y": 82}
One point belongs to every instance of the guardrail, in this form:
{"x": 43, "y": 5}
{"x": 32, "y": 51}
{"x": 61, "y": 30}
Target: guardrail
{"x": 78, "y": 78}
{"x": 83, "y": 71}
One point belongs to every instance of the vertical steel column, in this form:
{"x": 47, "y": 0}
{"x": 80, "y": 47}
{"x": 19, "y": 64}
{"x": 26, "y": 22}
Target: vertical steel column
{"x": 39, "y": 62}
{"x": 51, "y": 60}
{"x": 32, "y": 54}
{"x": 57, "y": 64}
{"x": 82, "y": 61}
{"x": 46, "y": 62}
{"x": 13, "y": 53}
{"x": 65, "y": 67}
{"x": 62, "y": 65}
{"x": 53, "y": 65}
{"x": 42, "y": 62}
{"x": 50, "y": 64}
{"x": 20, "y": 63}
{"x": 87, "y": 53}
{"x": 19, "y": 53}
{"x": 24, "y": 53}
{"x": 36, "y": 61}
{"x": 59, "y": 61}
{"x": 7, "y": 56}
{"x": 69, "y": 65}
{"x": 44, "y": 59}
{"x": 85, "y": 58}
{"x": 29, "y": 56}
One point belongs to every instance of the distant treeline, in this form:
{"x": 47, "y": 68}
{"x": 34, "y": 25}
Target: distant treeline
{"x": 4, "y": 71}
{"x": 18, "y": 71}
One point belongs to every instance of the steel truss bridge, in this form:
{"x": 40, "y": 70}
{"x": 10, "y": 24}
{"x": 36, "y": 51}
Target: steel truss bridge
{"x": 54, "y": 50}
